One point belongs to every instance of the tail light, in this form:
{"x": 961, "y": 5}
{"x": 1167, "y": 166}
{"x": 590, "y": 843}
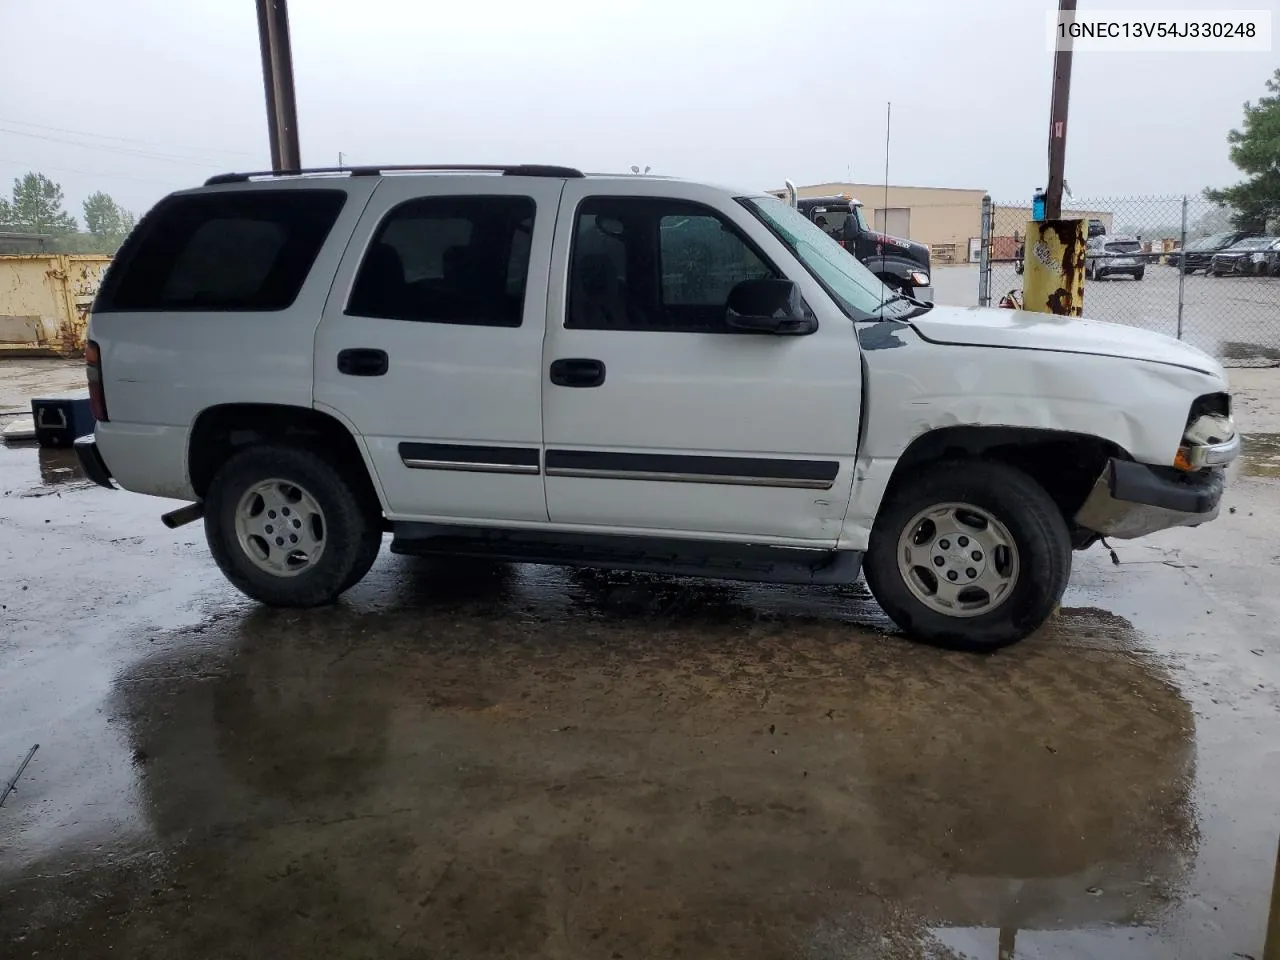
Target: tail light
{"x": 93, "y": 371}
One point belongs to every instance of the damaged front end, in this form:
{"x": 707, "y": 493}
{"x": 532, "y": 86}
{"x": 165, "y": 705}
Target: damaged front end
{"x": 1131, "y": 499}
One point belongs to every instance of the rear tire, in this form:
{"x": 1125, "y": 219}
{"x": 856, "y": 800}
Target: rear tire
{"x": 288, "y": 528}
{"x": 1038, "y": 551}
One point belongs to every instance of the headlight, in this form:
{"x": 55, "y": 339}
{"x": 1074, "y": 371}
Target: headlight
{"x": 1258, "y": 257}
{"x": 1210, "y": 440}
{"x": 919, "y": 278}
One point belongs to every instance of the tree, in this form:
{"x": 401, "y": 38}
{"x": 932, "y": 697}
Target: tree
{"x": 36, "y": 207}
{"x": 1255, "y": 149}
{"x": 103, "y": 216}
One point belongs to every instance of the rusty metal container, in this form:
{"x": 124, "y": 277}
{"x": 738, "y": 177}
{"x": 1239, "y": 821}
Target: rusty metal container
{"x": 45, "y": 300}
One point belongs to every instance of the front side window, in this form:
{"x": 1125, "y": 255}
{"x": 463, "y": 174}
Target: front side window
{"x": 247, "y": 250}
{"x": 448, "y": 260}
{"x": 854, "y": 288}
{"x": 656, "y": 264}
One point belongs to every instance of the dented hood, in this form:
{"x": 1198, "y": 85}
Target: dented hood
{"x": 1023, "y": 330}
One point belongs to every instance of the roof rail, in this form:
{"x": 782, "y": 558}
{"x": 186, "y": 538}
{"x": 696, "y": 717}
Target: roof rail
{"x": 507, "y": 170}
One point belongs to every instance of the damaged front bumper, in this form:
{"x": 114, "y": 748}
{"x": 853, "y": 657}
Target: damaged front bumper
{"x": 1131, "y": 499}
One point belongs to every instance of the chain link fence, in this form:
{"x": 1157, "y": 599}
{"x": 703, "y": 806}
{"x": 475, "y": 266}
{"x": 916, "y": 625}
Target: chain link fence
{"x": 1175, "y": 265}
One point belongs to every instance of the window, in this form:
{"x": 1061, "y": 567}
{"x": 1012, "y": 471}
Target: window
{"x": 229, "y": 250}
{"x": 448, "y": 260}
{"x": 854, "y": 288}
{"x": 646, "y": 264}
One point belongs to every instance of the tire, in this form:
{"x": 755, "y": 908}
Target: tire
{"x": 1029, "y": 517}
{"x": 333, "y": 514}
{"x": 1139, "y": 274}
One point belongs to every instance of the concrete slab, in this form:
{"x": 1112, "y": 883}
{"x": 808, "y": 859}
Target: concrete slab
{"x": 476, "y": 761}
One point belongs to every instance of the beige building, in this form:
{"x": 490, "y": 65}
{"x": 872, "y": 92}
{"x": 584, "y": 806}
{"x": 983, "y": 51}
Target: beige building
{"x": 946, "y": 219}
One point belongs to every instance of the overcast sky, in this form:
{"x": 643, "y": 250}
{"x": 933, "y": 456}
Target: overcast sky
{"x": 140, "y": 97}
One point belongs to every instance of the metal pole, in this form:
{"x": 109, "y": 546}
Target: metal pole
{"x": 1058, "y": 119}
{"x": 277, "y": 82}
{"x": 1182, "y": 264}
{"x": 984, "y": 253}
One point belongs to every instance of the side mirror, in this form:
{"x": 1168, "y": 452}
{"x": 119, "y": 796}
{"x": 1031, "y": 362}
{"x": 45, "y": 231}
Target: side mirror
{"x": 769, "y": 306}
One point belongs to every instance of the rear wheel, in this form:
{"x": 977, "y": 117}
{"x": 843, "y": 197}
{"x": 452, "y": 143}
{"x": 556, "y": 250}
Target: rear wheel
{"x": 969, "y": 555}
{"x": 288, "y": 528}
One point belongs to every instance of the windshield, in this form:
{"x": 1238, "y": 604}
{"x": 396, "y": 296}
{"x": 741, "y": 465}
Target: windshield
{"x": 1254, "y": 243}
{"x": 855, "y": 288}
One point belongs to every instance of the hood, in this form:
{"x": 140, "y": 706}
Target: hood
{"x": 899, "y": 247}
{"x": 1023, "y": 330}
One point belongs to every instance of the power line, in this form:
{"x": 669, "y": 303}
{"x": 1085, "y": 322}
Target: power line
{"x": 125, "y": 151}
{"x": 105, "y": 136}
{"x": 104, "y": 174}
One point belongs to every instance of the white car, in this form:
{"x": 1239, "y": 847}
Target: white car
{"x": 534, "y": 365}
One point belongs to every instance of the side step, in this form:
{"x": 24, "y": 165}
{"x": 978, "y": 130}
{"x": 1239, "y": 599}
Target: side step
{"x": 696, "y": 558}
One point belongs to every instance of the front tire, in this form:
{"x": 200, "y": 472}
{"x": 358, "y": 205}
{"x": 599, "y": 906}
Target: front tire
{"x": 969, "y": 555}
{"x": 1139, "y": 274}
{"x": 288, "y": 528}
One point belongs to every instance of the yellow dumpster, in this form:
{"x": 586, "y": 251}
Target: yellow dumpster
{"x": 45, "y": 300}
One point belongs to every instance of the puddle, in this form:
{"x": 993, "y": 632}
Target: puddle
{"x": 59, "y": 465}
{"x": 1253, "y": 352}
{"x": 1261, "y": 455}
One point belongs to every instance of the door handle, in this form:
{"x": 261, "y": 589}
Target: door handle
{"x": 577, "y": 372}
{"x": 363, "y": 362}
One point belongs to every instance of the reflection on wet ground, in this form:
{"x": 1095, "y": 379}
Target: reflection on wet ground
{"x": 476, "y": 760}
{"x": 1261, "y": 455}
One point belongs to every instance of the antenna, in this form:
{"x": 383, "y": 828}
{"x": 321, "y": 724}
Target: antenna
{"x": 888, "y": 115}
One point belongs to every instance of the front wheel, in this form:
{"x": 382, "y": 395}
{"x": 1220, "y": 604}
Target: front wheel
{"x": 288, "y": 528}
{"x": 1139, "y": 274}
{"x": 969, "y": 555}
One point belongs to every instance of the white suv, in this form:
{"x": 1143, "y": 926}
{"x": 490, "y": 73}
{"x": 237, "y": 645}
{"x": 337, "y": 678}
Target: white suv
{"x": 534, "y": 365}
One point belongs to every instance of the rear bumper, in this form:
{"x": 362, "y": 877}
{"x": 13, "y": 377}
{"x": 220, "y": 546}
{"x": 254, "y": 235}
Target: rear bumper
{"x": 1131, "y": 500}
{"x": 95, "y": 468}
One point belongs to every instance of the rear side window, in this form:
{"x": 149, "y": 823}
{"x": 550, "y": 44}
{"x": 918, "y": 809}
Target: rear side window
{"x": 448, "y": 260}
{"x": 248, "y": 250}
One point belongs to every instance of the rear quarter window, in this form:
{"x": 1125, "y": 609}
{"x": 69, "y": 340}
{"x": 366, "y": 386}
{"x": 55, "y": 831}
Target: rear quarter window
{"x": 245, "y": 251}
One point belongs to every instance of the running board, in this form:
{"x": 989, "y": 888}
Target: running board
{"x": 697, "y": 558}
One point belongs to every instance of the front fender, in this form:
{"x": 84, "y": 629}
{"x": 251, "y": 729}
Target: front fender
{"x": 914, "y": 387}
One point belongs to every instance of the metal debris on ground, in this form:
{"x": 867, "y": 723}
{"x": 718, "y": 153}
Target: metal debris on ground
{"x": 9, "y": 787}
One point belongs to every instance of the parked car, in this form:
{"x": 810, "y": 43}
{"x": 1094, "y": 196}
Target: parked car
{"x": 529, "y": 364}
{"x": 1107, "y": 256}
{"x": 1253, "y": 256}
{"x": 1199, "y": 253}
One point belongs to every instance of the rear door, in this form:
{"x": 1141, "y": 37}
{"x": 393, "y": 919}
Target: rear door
{"x": 658, "y": 416}
{"x": 431, "y": 344}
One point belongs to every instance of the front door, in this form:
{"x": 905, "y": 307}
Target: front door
{"x": 431, "y": 344}
{"x": 661, "y": 419}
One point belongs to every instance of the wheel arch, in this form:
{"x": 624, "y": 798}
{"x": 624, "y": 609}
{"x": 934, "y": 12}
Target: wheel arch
{"x": 220, "y": 431}
{"x": 1066, "y": 464}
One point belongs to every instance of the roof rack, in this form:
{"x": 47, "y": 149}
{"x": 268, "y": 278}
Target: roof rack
{"x": 507, "y": 170}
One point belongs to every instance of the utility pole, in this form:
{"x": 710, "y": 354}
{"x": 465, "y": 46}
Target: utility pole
{"x": 1053, "y": 265}
{"x": 1058, "y": 116}
{"x": 277, "y": 82}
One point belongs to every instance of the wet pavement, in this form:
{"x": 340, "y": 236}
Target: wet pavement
{"x": 466, "y": 760}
